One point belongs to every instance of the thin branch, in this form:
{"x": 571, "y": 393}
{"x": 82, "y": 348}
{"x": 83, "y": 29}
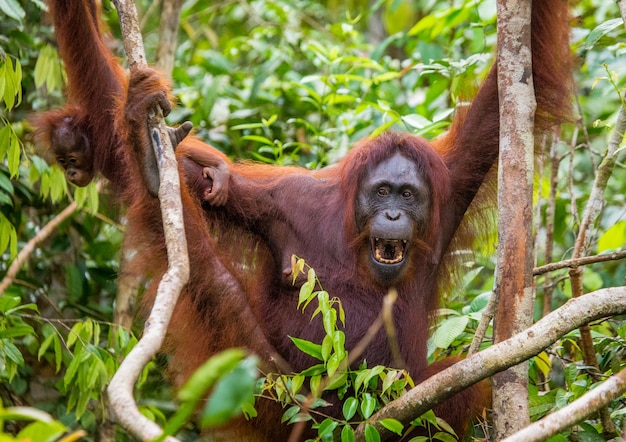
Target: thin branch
{"x": 578, "y": 262}
{"x": 168, "y": 33}
{"x": 548, "y": 288}
{"x": 30, "y": 246}
{"x": 120, "y": 391}
{"x": 622, "y": 8}
{"x": 526, "y": 344}
{"x": 483, "y": 325}
{"x": 580, "y": 409}
{"x": 591, "y": 216}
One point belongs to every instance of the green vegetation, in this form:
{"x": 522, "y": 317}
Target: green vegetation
{"x": 286, "y": 82}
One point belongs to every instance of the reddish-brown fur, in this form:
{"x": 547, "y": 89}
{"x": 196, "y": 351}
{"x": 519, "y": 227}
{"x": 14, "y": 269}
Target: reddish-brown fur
{"x": 238, "y": 294}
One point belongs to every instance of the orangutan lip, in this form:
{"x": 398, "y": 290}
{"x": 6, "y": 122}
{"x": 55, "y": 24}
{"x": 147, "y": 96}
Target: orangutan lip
{"x": 388, "y": 251}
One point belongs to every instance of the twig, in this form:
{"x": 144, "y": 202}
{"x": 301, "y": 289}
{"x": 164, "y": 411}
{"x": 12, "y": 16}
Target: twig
{"x": 578, "y": 262}
{"x": 591, "y": 215}
{"x": 483, "y": 325}
{"x": 120, "y": 391}
{"x": 526, "y": 344}
{"x": 30, "y": 246}
{"x": 578, "y": 410}
{"x": 548, "y": 288}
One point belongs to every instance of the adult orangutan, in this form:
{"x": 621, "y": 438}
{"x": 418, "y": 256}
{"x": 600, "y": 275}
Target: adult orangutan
{"x": 387, "y": 216}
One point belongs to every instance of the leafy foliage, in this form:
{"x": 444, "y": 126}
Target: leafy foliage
{"x": 287, "y": 82}
{"x": 363, "y": 391}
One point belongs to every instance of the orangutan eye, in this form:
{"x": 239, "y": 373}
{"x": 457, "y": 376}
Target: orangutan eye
{"x": 407, "y": 194}
{"x": 382, "y": 191}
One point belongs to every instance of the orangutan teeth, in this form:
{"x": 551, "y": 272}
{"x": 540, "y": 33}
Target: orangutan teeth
{"x": 388, "y": 251}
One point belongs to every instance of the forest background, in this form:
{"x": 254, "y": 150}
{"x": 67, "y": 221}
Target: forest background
{"x": 286, "y": 82}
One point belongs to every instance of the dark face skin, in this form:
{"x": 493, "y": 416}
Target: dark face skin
{"x": 394, "y": 203}
{"x": 73, "y": 152}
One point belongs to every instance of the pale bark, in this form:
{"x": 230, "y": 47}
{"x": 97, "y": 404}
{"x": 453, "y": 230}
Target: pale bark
{"x": 577, "y": 411}
{"x": 120, "y": 391}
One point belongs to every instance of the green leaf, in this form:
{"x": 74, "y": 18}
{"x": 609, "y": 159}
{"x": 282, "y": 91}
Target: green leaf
{"x": 20, "y": 330}
{"x": 314, "y": 370}
{"x": 308, "y": 347}
{"x": 259, "y": 139}
{"x": 8, "y": 302}
{"x": 337, "y": 381}
{"x": 44, "y": 345}
{"x": 296, "y": 383}
{"x": 368, "y": 405}
{"x": 347, "y": 434}
{"x": 230, "y": 393}
{"x": 339, "y": 342}
{"x": 445, "y": 437}
{"x": 327, "y": 347}
{"x": 6, "y": 234}
{"x": 6, "y": 184}
{"x": 329, "y": 319}
{"x": 11, "y": 84}
{"x": 371, "y": 433}
{"x": 613, "y": 238}
{"x": 441, "y": 423}
{"x": 14, "y": 155}
{"x": 350, "y": 406}
{"x": 290, "y": 413}
{"x": 480, "y": 302}
{"x": 315, "y": 384}
{"x": 592, "y": 281}
{"x": 326, "y": 428}
{"x": 601, "y": 30}
{"x": 5, "y": 138}
{"x": 196, "y": 387}
{"x": 306, "y": 291}
{"x": 12, "y": 9}
{"x": 393, "y": 425}
{"x": 416, "y": 121}
{"x": 205, "y": 376}
{"x": 448, "y": 331}
{"x": 12, "y": 352}
{"x": 571, "y": 373}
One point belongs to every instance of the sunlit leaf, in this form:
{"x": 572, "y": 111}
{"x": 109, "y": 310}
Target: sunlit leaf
{"x": 393, "y": 425}
{"x": 449, "y": 330}
{"x": 347, "y": 434}
{"x": 12, "y": 9}
{"x": 308, "y": 347}
{"x": 601, "y": 30}
{"x": 371, "y": 433}
{"x": 368, "y": 405}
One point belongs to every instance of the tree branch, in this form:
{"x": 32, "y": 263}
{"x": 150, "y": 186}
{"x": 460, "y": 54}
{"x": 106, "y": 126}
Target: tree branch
{"x": 23, "y": 255}
{"x": 434, "y": 390}
{"x": 168, "y": 33}
{"x": 580, "y": 409}
{"x": 120, "y": 390}
{"x": 577, "y": 262}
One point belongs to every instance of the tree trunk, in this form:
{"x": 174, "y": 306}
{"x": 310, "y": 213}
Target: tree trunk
{"x": 514, "y": 283}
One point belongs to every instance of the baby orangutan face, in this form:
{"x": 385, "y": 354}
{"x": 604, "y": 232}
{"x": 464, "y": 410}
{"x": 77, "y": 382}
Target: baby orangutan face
{"x": 73, "y": 152}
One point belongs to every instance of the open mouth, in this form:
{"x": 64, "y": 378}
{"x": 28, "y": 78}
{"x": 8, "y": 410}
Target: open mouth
{"x": 388, "y": 251}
